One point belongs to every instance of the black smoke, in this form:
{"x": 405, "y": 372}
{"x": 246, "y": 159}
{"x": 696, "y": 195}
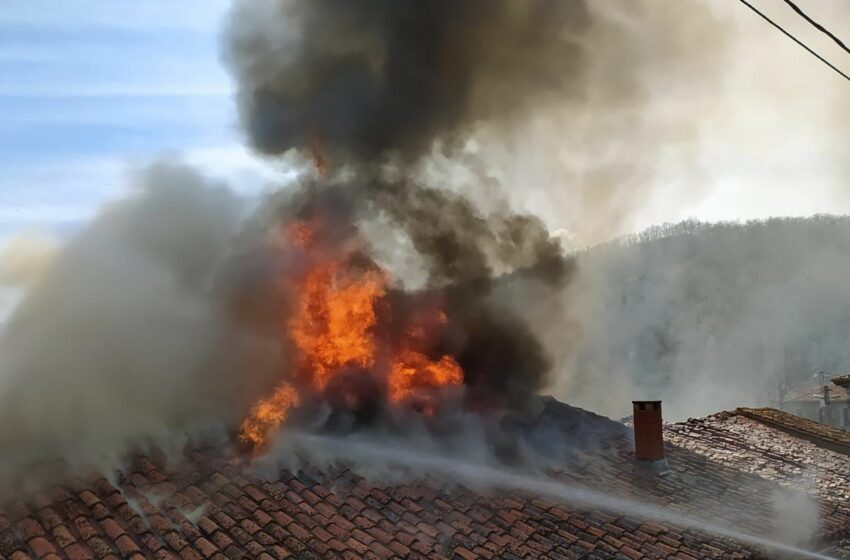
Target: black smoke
{"x": 373, "y": 87}
{"x": 373, "y": 78}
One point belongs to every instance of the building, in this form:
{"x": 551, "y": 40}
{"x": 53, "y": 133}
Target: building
{"x": 834, "y": 409}
{"x": 729, "y": 467}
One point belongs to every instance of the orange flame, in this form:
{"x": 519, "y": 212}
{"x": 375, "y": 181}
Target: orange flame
{"x": 333, "y": 321}
{"x": 267, "y": 415}
{"x": 333, "y": 328}
{"x": 414, "y": 373}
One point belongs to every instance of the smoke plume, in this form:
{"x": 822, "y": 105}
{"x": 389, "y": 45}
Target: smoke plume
{"x": 415, "y": 115}
{"x": 386, "y": 77}
{"x": 25, "y": 257}
{"x": 368, "y": 90}
{"x": 122, "y": 339}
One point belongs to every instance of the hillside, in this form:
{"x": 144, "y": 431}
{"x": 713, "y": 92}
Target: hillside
{"x": 704, "y": 316}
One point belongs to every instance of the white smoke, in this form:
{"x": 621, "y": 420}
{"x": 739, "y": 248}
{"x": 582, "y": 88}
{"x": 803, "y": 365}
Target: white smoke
{"x": 25, "y": 257}
{"x": 796, "y": 517}
{"x": 123, "y": 339}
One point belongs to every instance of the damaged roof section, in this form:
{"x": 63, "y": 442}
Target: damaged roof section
{"x": 730, "y": 468}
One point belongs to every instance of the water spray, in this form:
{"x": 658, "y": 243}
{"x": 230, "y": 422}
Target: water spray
{"x": 475, "y": 474}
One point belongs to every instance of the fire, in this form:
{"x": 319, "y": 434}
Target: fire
{"x": 334, "y": 327}
{"x": 333, "y": 321}
{"x": 413, "y": 374}
{"x": 267, "y": 415}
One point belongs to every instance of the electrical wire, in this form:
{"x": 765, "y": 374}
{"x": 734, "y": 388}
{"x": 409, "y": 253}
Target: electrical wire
{"x": 818, "y": 26}
{"x": 787, "y": 34}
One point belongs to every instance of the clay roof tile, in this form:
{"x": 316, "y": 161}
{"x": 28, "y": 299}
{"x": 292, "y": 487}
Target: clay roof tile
{"x": 736, "y": 457}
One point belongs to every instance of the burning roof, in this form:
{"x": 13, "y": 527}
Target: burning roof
{"x": 344, "y": 349}
{"x": 366, "y": 91}
{"x": 209, "y": 504}
{"x": 362, "y": 350}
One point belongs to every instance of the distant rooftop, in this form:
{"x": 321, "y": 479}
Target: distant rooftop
{"x": 815, "y": 393}
{"x": 842, "y": 380}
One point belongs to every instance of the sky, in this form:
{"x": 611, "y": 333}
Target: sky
{"x": 779, "y": 144}
{"x": 92, "y": 89}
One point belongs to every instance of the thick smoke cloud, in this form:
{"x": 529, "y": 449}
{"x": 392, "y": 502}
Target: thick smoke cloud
{"x": 135, "y": 325}
{"x": 453, "y": 115}
{"x": 123, "y": 338}
{"x": 369, "y": 89}
{"x": 463, "y": 254}
{"x": 377, "y": 77}
{"x": 571, "y": 110}
{"x": 625, "y": 152}
{"x": 25, "y": 257}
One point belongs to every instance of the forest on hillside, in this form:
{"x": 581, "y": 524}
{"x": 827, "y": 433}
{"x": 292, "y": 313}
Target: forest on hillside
{"x": 706, "y": 317}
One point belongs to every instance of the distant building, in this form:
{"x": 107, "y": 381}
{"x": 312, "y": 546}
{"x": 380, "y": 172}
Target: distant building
{"x": 832, "y": 408}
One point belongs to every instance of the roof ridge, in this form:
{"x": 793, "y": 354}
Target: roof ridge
{"x": 821, "y": 435}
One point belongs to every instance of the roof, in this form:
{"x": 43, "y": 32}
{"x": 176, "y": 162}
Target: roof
{"x": 842, "y": 380}
{"x": 815, "y": 393}
{"x": 212, "y": 504}
{"x": 821, "y": 434}
{"x": 767, "y": 444}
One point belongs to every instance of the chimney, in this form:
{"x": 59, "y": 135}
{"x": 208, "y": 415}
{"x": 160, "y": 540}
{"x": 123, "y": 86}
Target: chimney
{"x": 649, "y": 442}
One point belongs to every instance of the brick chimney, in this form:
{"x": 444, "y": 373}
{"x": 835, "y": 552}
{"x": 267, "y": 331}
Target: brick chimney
{"x": 649, "y": 441}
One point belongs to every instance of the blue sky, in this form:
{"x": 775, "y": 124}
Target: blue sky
{"x": 93, "y": 89}
{"x": 90, "y": 90}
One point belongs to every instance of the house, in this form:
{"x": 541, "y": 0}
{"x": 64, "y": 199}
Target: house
{"x": 810, "y": 402}
{"x": 728, "y": 468}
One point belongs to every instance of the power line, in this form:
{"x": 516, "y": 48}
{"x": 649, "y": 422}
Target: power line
{"x": 818, "y": 26}
{"x": 779, "y": 27}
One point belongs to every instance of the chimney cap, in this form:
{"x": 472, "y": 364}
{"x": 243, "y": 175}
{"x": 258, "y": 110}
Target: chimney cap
{"x": 646, "y": 402}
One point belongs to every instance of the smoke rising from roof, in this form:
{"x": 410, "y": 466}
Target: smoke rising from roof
{"x": 566, "y": 109}
{"x": 368, "y": 89}
{"x": 380, "y": 77}
{"x": 123, "y": 340}
{"x": 543, "y": 105}
{"x": 25, "y": 257}
{"x": 460, "y": 251}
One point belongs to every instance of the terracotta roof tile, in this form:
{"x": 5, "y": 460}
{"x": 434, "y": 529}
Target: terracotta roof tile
{"x": 189, "y": 554}
{"x": 798, "y": 425}
{"x": 62, "y": 535}
{"x": 78, "y": 552}
{"x": 221, "y": 540}
{"x": 727, "y": 458}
